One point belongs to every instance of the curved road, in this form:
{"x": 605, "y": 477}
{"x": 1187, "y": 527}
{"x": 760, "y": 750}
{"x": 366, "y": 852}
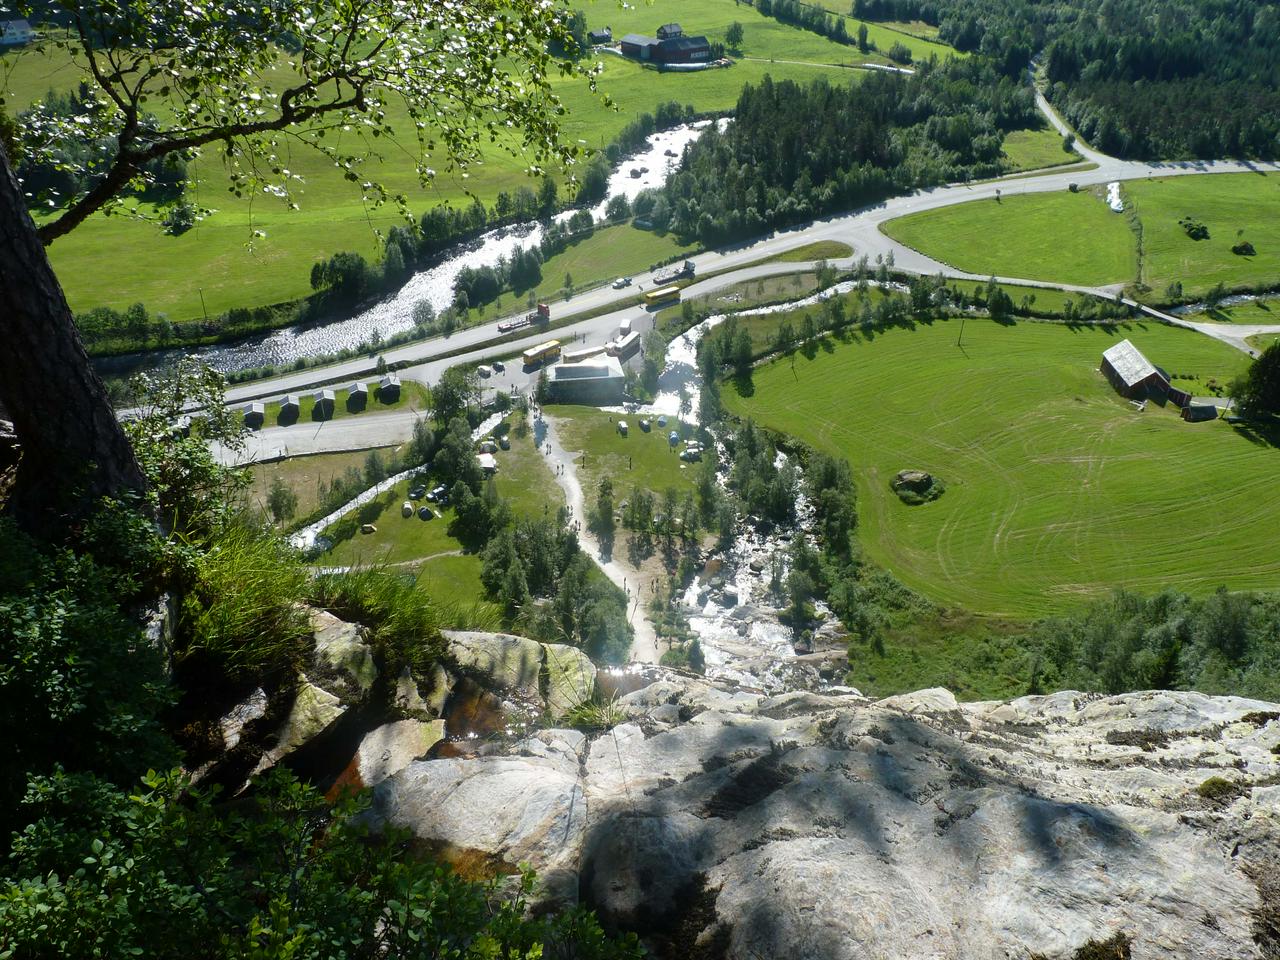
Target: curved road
{"x": 426, "y": 361}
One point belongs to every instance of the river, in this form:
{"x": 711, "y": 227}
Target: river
{"x": 394, "y": 315}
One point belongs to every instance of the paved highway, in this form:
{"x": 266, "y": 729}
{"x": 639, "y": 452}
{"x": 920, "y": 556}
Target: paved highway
{"x": 860, "y": 229}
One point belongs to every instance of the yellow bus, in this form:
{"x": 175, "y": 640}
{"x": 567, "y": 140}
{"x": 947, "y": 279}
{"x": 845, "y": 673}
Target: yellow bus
{"x": 662, "y": 295}
{"x": 541, "y": 353}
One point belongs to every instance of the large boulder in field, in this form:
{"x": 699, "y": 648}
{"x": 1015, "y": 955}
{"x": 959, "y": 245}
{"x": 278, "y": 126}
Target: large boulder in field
{"x": 917, "y": 480}
{"x": 499, "y": 661}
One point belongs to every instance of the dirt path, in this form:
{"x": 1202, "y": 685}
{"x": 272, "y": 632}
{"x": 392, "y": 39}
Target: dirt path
{"x": 644, "y": 648}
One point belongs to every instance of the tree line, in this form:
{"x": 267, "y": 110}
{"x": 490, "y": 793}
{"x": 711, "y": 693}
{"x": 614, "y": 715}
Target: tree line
{"x": 795, "y": 152}
{"x": 1143, "y": 79}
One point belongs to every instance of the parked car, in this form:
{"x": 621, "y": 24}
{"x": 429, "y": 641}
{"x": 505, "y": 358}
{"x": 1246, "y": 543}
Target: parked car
{"x": 504, "y": 442}
{"x": 484, "y": 370}
{"x": 621, "y": 282}
{"x": 499, "y": 365}
{"x": 692, "y": 455}
{"x": 406, "y": 509}
{"x": 416, "y": 493}
{"x": 644, "y": 425}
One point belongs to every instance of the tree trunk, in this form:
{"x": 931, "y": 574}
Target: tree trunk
{"x": 73, "y": 449}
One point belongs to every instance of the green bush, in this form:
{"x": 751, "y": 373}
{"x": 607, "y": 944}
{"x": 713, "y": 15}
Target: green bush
{"x": 241, "y": 612}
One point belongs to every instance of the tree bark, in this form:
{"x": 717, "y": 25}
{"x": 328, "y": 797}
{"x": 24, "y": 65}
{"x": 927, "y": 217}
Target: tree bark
{"x": 73, "y": 448}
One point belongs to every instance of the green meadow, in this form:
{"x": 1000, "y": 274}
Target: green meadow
{"x": 1234, "y": 207}
{"x": 1061, "y": 237}
{"x": 219, "y": 264}
{"x": 1057, "y": 489}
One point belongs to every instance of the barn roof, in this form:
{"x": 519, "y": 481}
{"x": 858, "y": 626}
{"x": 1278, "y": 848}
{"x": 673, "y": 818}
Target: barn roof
{"x": 1129, "y": 363}
{"x": 639, "y": 40}
{"x": 684, "y": 43}
{"x": 596, "y": 368}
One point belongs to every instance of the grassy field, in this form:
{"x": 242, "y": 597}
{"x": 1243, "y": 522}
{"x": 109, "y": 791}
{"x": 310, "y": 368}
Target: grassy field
{"x": 1064, "y": 237}
{"x": 217, "y": 258}
{"x": 762, "y": 36}
{"x": 1266, "y": 310}
{"x": 639, "y": 459}
{"x": 819, "y": 250}
{"x": 1243, "y": 206}
{"x": 918, "y": 37}
{"x": 610, "y": 252}
{"x": 304, "y": 476}
{"x": 1058, "y": 490}
{"x": 1036, "y": 149}
{"x": 523, "y": 480}
{"x": 1261, "y": 341}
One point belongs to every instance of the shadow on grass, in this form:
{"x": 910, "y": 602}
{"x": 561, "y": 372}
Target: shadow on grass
{"x": 1264, "y": 433}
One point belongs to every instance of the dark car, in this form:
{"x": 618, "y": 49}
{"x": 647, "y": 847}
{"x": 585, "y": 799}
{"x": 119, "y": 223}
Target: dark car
{"x": 415, "y": 493}
{"x": 424, "y": 513}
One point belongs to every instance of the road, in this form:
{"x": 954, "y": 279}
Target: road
{"x": 425, "y": 361}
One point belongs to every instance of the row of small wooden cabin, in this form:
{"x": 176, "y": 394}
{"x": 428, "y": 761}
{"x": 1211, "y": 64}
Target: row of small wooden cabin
{"x": 325, "y": 401}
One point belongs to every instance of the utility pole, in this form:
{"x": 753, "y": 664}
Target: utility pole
{"x": 961, "y": 337}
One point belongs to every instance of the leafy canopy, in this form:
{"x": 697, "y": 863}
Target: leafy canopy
{"x": 254, "y": 79}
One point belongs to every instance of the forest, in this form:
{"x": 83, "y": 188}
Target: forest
{"x": 1140, "y": 79}
{"x": 796, "y": 152}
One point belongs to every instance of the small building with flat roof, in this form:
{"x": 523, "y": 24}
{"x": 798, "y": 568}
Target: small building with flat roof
{"x": 357, "y": 396}
{"x": 255, "y": 413}
{"x": 638, "y": 46}
{"x": 322, "y": 405}
{"x": 598, "y": 381}
{"x": 1132, "y": 374}
{"x": 389, "y": 388}
{"x": 600, "y": 37}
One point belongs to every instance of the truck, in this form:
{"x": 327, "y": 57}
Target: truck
{"x": 671, "y": 276}
{"x": 624, "y": 327}
{"x": 540, "y": 315}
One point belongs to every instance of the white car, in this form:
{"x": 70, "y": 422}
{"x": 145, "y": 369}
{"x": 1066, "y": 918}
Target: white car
{"x": 621, "y": 282}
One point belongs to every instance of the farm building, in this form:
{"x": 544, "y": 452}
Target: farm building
{"x": 389, "y": 388}
{"x": 683, "y": 50}
{"x": 322, "y": 409}
{"x": 1132, "y": 374}
{"x": 1199, "y": 410}
{"x": 638, "y": 46}
{"x": 595, "y": 381}
{"x": 15, "y": 33}
{"x": 254, "y": 414}
{"x": 669, "y": 31}
{"x": 601, "y": 36}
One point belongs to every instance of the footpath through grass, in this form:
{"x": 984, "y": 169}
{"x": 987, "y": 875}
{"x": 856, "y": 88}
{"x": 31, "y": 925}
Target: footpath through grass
{"x": 1060, "y": 237}
{"x": 640, "y": 459}
{"x": 1058, "y": 491}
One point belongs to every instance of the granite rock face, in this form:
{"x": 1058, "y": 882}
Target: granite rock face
{"x": 826, "y": 825}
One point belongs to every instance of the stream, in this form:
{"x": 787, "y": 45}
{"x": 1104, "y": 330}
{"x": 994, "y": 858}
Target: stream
{"x": 394, "y": 315}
